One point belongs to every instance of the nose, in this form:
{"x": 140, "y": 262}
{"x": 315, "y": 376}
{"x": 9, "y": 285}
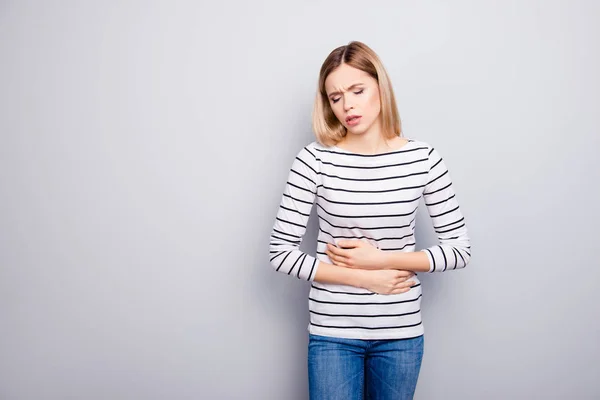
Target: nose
{"x": 347, "y": 103}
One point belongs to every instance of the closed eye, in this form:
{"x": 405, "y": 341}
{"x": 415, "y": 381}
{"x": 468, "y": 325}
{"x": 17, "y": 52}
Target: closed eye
{"x": 338, "y": 99}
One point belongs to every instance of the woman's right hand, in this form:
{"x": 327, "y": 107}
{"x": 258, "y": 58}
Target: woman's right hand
{"x": 387, "y": 281}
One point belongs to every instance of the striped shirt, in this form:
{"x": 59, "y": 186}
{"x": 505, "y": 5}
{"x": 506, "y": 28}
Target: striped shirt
{"x": 372, "y": 198}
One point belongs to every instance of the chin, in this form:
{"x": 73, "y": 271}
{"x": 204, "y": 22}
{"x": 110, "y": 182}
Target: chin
{"x": 356, "y": 131}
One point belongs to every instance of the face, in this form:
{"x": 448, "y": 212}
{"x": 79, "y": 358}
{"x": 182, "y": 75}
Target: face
{"x": 354, "y": 93}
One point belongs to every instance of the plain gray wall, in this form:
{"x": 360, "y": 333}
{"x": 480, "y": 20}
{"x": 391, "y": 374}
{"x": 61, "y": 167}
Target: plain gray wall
{"x": 145, "y": 145}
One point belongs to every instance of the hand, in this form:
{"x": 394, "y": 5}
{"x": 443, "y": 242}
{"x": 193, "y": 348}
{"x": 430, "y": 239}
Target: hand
{"x": 356, "y": 254}
{"x": 387, "y": 281}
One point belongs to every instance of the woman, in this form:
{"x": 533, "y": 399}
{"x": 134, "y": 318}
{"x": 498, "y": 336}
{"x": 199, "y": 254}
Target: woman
{"x": 365, "y": 332}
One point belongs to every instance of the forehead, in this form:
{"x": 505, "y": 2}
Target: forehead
{"x": 344, "y": 76}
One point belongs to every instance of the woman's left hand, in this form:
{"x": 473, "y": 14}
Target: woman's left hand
{"x": 356, "y": 254}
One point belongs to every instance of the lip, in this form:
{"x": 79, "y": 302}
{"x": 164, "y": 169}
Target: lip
{"x": 353, "y": 122}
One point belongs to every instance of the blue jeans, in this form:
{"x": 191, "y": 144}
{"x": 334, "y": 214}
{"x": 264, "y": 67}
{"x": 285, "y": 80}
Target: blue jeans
{"x": 355, "y": 369}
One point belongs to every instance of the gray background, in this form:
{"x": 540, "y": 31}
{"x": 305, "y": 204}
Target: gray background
{"x": 145, "y": 145}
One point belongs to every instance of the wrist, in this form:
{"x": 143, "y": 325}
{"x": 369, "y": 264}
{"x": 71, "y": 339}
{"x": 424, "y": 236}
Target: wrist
{"x": 415, "y": 261}
{"x": 389, "y": 260}
{"x": 360, "y": 277}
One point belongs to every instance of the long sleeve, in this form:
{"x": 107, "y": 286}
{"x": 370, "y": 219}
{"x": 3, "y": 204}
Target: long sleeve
{"x": 454, "y": 248}
{"x": 290, "y": 224}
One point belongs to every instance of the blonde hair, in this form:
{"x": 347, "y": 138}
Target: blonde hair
{"x": 328, "y": 129}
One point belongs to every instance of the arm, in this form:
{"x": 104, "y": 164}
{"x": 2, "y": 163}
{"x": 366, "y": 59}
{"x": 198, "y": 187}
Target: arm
{"x": 329, "y": 273}
{"x": 453, "y": 250}
{"x": 290, "y": 227}
{"x": 416, "y": 261}
{"x": 360, "y": 254}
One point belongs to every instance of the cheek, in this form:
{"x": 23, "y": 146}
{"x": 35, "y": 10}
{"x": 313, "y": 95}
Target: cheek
{"x": 337, "y": 110}
{"x": 374, "y": 104}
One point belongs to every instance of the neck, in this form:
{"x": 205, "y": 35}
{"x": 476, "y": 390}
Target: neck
{"x": 371, "y": 141}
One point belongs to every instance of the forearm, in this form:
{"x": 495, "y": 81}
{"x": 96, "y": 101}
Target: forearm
{"x": 416, "y": 261}
{"x": 328, "y": 273}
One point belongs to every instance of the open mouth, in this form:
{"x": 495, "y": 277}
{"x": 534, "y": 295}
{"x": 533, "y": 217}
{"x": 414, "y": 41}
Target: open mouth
{"x": 353, "y": 120}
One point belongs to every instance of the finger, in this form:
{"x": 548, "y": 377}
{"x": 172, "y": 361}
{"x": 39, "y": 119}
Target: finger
{"x": 331, "y": 256}
{"x": 335, "y": 250}
{"x": 339, "y": 261}
{"x": 329, "y": 253}
{"x": 334, "y": 256}
{"x": 348, "y": 244}
{"x": 405, "y": 284}
{"x": 400, "y": 280}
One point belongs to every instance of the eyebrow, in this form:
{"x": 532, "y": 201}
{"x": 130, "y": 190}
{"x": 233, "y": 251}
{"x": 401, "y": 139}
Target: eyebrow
{"x": 351, "y": 87}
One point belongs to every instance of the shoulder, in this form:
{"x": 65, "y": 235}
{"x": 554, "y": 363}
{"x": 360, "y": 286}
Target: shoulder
{"x": 427, "y": 147}
{"x": 421, "y": 144}
{"x": 314, "y": 150}
{"x": 310, "y": 155}
{"x": 316, "y": 146}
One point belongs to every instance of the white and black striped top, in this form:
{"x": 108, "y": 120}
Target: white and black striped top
{"x": 372, "y": 198}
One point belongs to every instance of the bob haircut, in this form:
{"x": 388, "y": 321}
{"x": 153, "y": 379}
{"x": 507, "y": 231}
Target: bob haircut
{"x": 328, "y": 129}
